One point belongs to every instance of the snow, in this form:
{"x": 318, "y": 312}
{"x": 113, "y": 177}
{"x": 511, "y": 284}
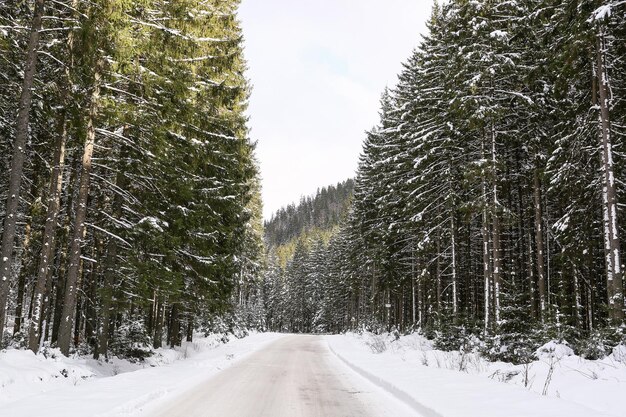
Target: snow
{"x": 554, "y": 350}
{"x": 619, "y": 354}
{"x": 602, "y": 12}
{"x": 456, "y": 384}
{"x": 499, "y": 34}
{"x": 408, "y": 369}
{"x": 154, "y": 222}
{"x": 66, "y": 387}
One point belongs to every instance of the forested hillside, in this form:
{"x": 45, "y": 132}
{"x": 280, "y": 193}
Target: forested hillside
{"x": 488, "y": 198}
{"x": 487, "y": 202}
{"x": 290, "y": 236}
{"x": 323, "y": 211}
{"x": 130, "y": 194}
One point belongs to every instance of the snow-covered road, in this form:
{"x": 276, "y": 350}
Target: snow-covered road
{"x": 295, "y": 376}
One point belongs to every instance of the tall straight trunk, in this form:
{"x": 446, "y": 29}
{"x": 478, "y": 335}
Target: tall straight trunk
{"x": 590, "y": 307}
{"x": 158, "y": 322}
{"x": 174, "y": 326}
{"x": 58, "y": 306}
{"x": 577, "y": 299}
{"x": 439, "y": 285}
{"x": 497, "y": 232}
{"x": 420, "y": 301}
{"x": 455, "y": 303}
{"x": 612, "y": 245}
{"x": 78, "y": 322}
{"x": 49, "y": 236}
{"x": 107, "y": 300}
{"x": 189, "y": 332}
{"x": 541, "y": 274}
{"x": 44, "y": 272}
{"x": 21, "y": 285}
{"x": 91, "y": 292}
{"x": 111, "y": 260}
{"x": 486, "y": 254}
{"x": 522, "y": 242}
{"x": 497, "y": 267}
{"x": 63, "y": 255}
{"x": 413, "y": 303}
{"x": 69, "y": 304}
{"x": 472, "y": 308}
{"x": 531, "y": 276}
{"x": 17, "y": 161}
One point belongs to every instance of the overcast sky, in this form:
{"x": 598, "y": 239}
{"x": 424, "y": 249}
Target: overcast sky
{"x": 318, "y": 68}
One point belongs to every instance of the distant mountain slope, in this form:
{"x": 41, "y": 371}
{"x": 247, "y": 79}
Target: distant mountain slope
{"x": 322, "y": 211}
{"x": 314, "y": 218}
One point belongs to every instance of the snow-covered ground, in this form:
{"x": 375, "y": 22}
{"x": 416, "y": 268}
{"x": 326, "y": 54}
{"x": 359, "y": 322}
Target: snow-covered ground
{"x": 57, "y": 386}
{"x": 450, "y": 384}
{"x": 431, "y": 382}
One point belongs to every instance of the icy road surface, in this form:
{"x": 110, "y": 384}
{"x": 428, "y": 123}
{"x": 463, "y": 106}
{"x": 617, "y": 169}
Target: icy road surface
{"x": 296, "y": 376}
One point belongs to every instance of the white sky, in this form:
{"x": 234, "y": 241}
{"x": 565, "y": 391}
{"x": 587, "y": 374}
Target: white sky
{"x": 318, "y": 68}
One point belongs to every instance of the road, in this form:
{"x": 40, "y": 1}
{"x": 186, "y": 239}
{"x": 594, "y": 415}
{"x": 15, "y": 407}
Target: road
{"x": 295, "y": 376}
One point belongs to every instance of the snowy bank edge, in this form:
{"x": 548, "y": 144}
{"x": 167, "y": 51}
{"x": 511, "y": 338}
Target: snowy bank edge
{"x": 387, "y": 386}
{"x": 67, "y": 401}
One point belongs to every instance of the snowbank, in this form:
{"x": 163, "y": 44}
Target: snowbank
{"x": 57, "y": 386}
{"x": 454, "y": 384}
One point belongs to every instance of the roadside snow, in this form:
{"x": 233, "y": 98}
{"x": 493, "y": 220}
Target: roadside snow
{"x": 57, "y": 386}
{"x": 452, "y": 384}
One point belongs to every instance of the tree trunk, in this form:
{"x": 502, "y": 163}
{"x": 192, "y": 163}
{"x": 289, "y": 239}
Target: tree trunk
{"x": 615, "y": 286}
{"x": 541, "y": 274}
{"x": 413, "y": 303}
{"x": 49, "y": 237}
{"x": 531, "y": 276}
{"x": 438, "y": 282}
{"x": 486, "y": 253}
{"x": 21, "y": 285}
{"x": 190, "y": 327}
{"x": 91, "y": 291}
{"x": 455, "y": 306}
{"x": 497, "y": 247}
{"x": 58, "y": 307}
{"x": 63, "y": 255}
{"x": 577, "y": 299}
{"x": 69, "y": 304}
{"x": 158, "y": 323}
{"x": 174, "y": 326}
{"x": 17, "y": 161}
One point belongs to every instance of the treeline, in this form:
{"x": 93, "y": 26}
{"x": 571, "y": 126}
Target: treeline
{"x": 487, "y": 199}
{"x": 295, "y": 239}
{"x": 323, "y": 211}
{"x": 132, "y": 209}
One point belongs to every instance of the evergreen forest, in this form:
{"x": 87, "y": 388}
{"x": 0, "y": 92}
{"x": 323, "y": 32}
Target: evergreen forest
{"x": 487, "y": 203}
{"x": 130, "y": 192}
{"x": 487, "y": 206}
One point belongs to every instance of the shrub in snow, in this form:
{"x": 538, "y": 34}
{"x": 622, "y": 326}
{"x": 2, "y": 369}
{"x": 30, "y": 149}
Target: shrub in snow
{"x": 619, "y": 353}
{"x": 5, "y": 339}
{"x": 599, "y": 343}
{"x": 554, "y": 349}
{"x": 451, "y": 338}
{"x": 17, "y": 341}
{"x": 516, "y": 348}
{"x": 517, "y": 336}
{"x": 131, "y": 341}
{"x": 231, "y": 323}
{"x": 371, "y": 325}
{"x": 376, "y": 343}
{"x": 592, "y": 347}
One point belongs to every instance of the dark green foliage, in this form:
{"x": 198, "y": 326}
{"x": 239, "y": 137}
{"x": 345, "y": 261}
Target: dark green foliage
{"x": 173, "y": 225}
{"x": 322, "y": 211}
{"x": 131, "y": 340}
{"x": 479, "y": 197}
